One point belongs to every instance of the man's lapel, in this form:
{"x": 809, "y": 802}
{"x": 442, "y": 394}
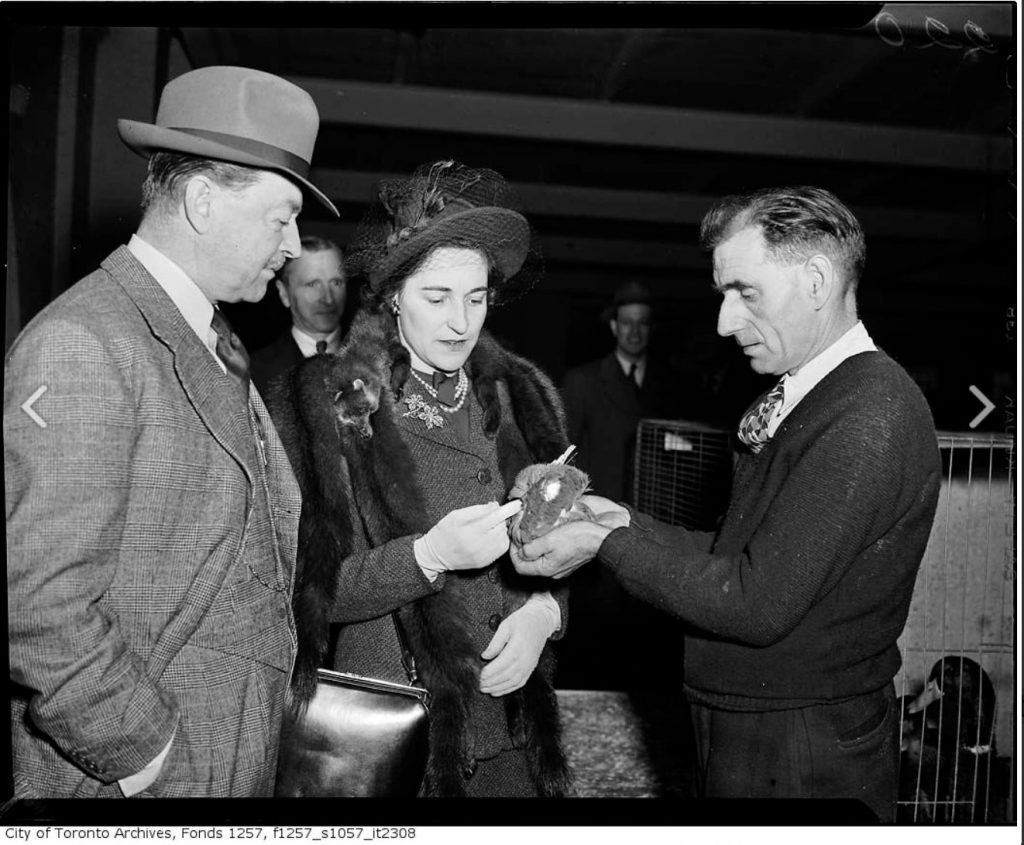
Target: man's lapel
{"x": 616, "y": 386}
{"x": 208, "y": 388}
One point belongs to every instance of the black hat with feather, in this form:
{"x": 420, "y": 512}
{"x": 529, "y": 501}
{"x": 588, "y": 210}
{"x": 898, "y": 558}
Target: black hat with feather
{"x": 445, "y": 203}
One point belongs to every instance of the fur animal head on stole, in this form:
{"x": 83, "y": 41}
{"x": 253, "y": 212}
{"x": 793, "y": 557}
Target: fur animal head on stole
{"x": 371, "y": 360}
{"x": 353, "y": 387}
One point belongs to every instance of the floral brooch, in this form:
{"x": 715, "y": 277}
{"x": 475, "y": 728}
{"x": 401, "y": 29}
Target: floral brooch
{"x": 420, "y": 410}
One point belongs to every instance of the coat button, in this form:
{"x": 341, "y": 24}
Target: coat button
{"x": 484, "y": 476}
{"x": 494, "y": 621}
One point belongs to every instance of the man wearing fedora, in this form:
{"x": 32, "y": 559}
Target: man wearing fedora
{"x": 606, "y": 398}
{"x": 151, "y": 511}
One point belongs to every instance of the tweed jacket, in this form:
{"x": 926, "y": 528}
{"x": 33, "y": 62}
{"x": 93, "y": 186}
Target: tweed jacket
{"x": 269, "y": 362}
{"x": 603, "y": 409}
{"x": 150, "y": 552}
{"x": 420, "y": 475}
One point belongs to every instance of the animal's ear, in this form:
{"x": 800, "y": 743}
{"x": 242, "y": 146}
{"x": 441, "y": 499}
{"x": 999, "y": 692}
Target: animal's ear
{"x": 400, "y": 368}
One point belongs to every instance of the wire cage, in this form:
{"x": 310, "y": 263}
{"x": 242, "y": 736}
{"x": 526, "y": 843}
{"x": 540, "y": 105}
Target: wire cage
{"x": 957, "y": 679}
{"x": 957, "y": 759}
{"x": 683, "y": 472}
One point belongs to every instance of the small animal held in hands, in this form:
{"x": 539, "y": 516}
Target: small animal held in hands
{"x": 551, "y": 497}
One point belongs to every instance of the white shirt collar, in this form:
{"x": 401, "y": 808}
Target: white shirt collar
{"x": 184, "y": 293}
{"x": 797, "y": 386}
{"x": 626, "y": 364}
{"x": 307, "y": 344}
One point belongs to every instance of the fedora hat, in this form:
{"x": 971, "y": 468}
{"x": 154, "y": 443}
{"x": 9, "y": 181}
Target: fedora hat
{"x": 446, "y": 202}
{"x": 630, "y": 293}
{"x": 234, "y": 114}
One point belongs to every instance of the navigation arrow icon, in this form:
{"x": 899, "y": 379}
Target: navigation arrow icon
{"x": 26, "y": 406}
{"x": 989, "y": 406}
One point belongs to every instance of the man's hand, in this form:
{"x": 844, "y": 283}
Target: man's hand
{"x": 562, "y": 550}
{"x": 606, "y": 511}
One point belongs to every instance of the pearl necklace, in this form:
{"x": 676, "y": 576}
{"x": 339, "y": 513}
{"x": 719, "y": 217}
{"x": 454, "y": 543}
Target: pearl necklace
{"x": 461, "y": 392}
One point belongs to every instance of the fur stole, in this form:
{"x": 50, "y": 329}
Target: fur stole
{"x": 343, "y": 407}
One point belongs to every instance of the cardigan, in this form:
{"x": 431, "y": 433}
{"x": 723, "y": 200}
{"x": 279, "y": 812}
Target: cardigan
{"x": 802, "y": 593}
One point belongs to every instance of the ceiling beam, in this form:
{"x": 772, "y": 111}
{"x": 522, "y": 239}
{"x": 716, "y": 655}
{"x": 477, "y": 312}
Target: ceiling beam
{"x": 572, "y": 250}
{"x": 653, "y": 207}
{"x": 564, "y": 120}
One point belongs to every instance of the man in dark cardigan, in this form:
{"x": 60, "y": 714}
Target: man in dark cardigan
{"x": 796, "y": 602}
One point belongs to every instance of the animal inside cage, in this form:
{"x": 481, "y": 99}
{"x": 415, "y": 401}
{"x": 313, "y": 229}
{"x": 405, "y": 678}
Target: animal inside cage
{"x": 957, "y": 680}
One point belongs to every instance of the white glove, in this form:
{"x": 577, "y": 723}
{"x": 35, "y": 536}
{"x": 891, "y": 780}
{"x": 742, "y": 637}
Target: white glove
{"x": 516, "y": 646}
{"x": 467, "y": 538}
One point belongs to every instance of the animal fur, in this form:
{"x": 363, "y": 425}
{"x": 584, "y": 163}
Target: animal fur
{"x": 326, "y": 438}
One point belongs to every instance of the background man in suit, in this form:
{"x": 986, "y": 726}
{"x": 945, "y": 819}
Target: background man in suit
{"x": 312, "y": 287}
{"x": 606, "y": 399}
{"x": 151, "y": 511}
{"x": 604, "y": 402}
{"x": 797, "y": 600}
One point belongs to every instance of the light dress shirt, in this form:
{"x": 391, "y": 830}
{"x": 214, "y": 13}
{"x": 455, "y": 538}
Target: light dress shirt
{"x": 184, "y": 293}
{"x": 798, "y": 385}
{"x": 641, "y": 367}
{"x": 307, "y": 344}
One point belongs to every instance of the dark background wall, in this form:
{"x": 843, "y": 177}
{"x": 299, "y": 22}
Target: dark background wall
{"x": 618, "y": 137}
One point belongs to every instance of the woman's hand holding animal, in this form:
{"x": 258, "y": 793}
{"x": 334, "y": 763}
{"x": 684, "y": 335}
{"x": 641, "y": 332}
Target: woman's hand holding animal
{"x": 516, "y": 646}
{"x": 468, "y": 538}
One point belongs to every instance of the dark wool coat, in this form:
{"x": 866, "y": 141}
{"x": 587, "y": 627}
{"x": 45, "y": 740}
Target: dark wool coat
{"x": 366, "y": 500}
{"x": 271, "y": 361}
{"x": 604, "y": 408}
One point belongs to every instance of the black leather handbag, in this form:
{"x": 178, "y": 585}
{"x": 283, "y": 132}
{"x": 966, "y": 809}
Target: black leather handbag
{"x": 359, "y": 737}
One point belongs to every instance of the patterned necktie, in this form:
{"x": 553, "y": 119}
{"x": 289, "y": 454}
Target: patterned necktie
{"x": 632, "y": 376}
{"x": 231, "y": 351}
{"x": 753, "y": 428}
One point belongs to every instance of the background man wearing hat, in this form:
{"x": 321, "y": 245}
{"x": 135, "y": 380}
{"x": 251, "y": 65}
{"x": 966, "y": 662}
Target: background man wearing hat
{"x": 606, "y": 398}
{"x": 313, "y": 289}
{"x": 604, "y": 402}
{"x": 151, "y": 510}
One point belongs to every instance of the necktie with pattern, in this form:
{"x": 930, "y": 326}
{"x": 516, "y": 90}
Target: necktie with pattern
{"x": 632, "y": 376}
{"x": 753, "y": 428}
{"x": 231, "y": 351}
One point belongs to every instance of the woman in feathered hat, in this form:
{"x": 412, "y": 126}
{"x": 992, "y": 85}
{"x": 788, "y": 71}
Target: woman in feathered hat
{"x": 428, "y": 537}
